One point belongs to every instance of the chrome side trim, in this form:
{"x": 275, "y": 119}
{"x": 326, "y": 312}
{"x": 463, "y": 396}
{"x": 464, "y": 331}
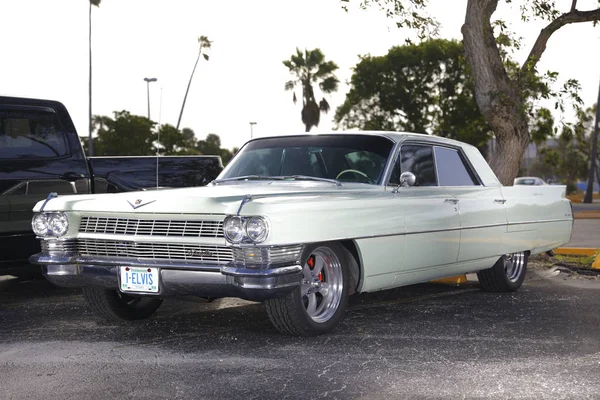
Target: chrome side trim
{"x": 435, "y": 230}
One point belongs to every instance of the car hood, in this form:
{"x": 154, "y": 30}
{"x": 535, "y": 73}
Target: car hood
{"x": 225, "y": 198}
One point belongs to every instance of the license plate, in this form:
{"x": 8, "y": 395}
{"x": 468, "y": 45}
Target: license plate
{"x": 137, "y": 279}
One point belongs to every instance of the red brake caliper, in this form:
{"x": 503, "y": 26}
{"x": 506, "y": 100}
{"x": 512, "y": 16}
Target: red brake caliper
{"x": 311, "y": 265}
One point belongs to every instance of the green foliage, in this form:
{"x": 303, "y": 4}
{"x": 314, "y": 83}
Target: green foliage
{"x": 542, "y": 127}
{"x": 134, "y": 135}
{"x": 212, "y": 145}
{"x": 408, "y": 14}
{"x": 125, "y": 135}
{"x": 569, "y": 159}
{"x": 503, "y": 88}
{"x": 418, "y": 88}
{"x": 307, "y": 69}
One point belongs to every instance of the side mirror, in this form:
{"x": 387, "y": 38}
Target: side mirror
{"x": 407, "y": 179}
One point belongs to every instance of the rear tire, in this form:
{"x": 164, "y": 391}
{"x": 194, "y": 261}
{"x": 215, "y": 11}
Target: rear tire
{"x": 506, "y": 275}
{"x": 114, "y": 305}
{"x": 318, "y": 304}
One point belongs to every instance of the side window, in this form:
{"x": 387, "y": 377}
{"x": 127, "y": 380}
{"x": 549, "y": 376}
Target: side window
{"x": 451, "y": 168}
{"x": 31, "y": 134}
{"x": 418, "y": 159}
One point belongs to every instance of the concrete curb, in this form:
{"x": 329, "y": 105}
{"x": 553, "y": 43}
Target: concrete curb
{"x": 452, "y": 280}
{"x": 573, "y": 251}
{"x": 587, "y": 215}
{"x": 581, "y": 251}
{"x": 577, "y": 251}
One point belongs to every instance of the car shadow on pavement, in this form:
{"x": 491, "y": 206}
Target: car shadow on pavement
{"x": 38, "y": 310}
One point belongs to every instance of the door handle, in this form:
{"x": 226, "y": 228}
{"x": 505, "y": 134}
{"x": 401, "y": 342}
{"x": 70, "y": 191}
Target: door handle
{"x": 453, "y": 201}
{"x": 501, "y": 201}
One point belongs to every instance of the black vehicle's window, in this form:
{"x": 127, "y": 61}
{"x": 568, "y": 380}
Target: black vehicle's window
{"x": 451, "y": 169}
{"x": 418, "y": 159}
{"x": 31, "y": 134}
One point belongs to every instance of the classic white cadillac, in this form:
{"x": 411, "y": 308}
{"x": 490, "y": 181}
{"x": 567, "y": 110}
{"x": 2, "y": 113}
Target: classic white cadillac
{"x": 300, "y": 223}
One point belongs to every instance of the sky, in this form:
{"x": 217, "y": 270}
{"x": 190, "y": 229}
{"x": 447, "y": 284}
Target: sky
{"x": 45, "y": 55}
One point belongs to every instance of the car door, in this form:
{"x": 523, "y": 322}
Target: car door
{"x": 482, "y": 209}
{"x": 432, "y": 219}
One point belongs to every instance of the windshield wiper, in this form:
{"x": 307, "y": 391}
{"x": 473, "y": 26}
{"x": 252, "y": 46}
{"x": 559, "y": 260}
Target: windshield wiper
{"x": 313, "y": 178}
{"x": 248, "y": 178}
{"x": 278, "y": 178}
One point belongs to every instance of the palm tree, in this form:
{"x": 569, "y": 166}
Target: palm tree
{"x": 204, "y": 44}
{"x": 310, "y": 68}
{"x": 91, "y": 143}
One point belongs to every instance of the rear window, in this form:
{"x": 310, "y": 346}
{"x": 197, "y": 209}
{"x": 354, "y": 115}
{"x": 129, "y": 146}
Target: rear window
{"x": 31, "y": 134}
{"x": 525, "y": 182}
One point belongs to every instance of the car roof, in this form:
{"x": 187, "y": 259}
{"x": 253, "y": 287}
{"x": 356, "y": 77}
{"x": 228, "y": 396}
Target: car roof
{"x": 396, "y": 137}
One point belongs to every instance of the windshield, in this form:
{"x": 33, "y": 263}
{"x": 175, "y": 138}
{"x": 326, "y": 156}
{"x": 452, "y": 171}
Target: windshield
{"x": 346, "y": 158}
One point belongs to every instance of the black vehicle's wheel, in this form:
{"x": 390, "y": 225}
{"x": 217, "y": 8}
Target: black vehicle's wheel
{"x": 318, "y": 304}
{"x": 506, "y": 275}
{"x": 112, "y": 304}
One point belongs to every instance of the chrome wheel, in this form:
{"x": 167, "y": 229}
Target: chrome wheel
{"x": 322, "y": 284}
{"x": 318, "y": 304}
{"x": 513, "y": 266}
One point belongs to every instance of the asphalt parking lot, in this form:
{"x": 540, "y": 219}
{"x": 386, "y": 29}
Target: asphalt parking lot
{"x": 423, "y": 341}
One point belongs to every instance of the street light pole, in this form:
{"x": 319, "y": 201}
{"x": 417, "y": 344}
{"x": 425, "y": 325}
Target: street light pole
{"x": 251, "y": 129}
{"x": 148, "y": 80}
{"x": 589, "y": 192}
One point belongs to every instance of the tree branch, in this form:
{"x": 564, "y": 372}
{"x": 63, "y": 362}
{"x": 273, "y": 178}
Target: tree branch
{"x": 571, "y": 17}
{"x": 573, "y": 5}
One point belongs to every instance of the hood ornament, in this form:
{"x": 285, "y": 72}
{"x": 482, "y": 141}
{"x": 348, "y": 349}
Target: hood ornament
{"x": 139, "y": 203}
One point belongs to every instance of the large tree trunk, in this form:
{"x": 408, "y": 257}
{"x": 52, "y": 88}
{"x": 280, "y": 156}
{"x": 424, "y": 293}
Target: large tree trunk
{"x": 497, "y": 96}
{"x": 505, "y": 160}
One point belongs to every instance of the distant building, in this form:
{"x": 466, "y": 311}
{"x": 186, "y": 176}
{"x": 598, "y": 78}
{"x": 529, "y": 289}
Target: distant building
{"x": 531, "y": 152}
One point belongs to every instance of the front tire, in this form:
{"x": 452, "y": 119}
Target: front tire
{"x": 114, "y": 305}
{"x": 319, "y": 303}
{"x": 506, "y": 275}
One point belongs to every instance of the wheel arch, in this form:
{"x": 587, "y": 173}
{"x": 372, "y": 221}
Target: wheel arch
{"x": 355, "y": 265}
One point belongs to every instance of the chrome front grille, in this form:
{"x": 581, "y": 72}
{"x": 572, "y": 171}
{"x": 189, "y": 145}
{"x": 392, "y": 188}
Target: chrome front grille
{"x": 152, "y": 227}
{"x": 141, "y": 250}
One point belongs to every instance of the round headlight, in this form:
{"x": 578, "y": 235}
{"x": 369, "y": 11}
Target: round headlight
{"x": 257, "y": 229}
{"x": 39, "y": 224}
{"x": 233, "y": 229}
{"x": 58, "y": 223}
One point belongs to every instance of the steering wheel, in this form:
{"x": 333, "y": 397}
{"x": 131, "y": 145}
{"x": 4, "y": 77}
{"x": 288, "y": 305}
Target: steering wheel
{"x": 354, "y": 171}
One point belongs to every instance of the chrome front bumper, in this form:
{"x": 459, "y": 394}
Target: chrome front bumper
{"x": 250, "y": 283}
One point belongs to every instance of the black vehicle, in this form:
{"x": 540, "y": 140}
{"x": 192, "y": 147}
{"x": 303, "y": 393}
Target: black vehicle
{"x": 40, "y": 153}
